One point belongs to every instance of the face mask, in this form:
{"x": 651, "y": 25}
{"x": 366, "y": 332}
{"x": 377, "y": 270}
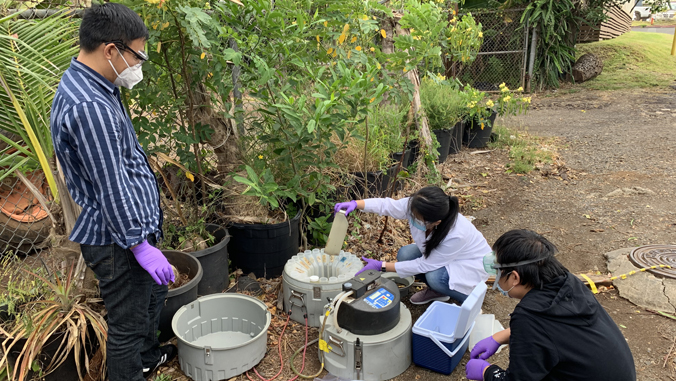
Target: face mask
{"x": 503, "y": 292}
{"x": 417, "y": 224}
{"x": 129, "y": 76}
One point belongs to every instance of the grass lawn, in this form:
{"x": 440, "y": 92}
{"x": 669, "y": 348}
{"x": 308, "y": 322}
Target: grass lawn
{"x": 633, "y": 60}
{"x": 646, "y": 24}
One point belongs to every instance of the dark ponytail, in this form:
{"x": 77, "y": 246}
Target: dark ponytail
{"x": 432, "y": 204}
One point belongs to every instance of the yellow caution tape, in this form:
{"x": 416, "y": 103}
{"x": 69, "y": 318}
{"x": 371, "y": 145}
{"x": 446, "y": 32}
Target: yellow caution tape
{"x": 624, "y": 276}
{"x": 591, "y": 283}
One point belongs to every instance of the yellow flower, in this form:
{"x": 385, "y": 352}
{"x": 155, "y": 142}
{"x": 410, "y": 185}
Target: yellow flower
{"x": 460, "y": 42}
{"x": 469, "y": 105}
{"x": 155, "y": 24}
{"x": 383, "y": 33}
{"x": 372, "y": 49}
{"x": 469, "y": 29}
{"x": 482, "y": 126}
{"x": 453, "y": 20}
{"x": 329, "y": 51}
{"x": 317, "y": 38}
{"x": 507, "y": 98}
{"x": 365, "y": 18}
{"x": 372, "y": 99}
{"x": 203, "y": 55}
{"x": 334, "y": 54}
{"x": 412, "y": 30}
{"x": 505, "y": 89}
{"x": 378, "y": 65}
{"x": 342, "y": 38}
{"x": 326, "y": 23}
{"x": 349, "y": 53}
{"x": 490, "y": 103}
{"x": 372, "y": 78}
{"x": 333, "y": 64}
{"x": 502, "y": 85}
{"x": 481, "y": 34}
{"x": 346, "y": 27}
{"x": 190, "y": 176}
{"x": 354, "y": 38}
{"x": 358, "y": 48}
{"x": 520, "y": 89}
{"x": 405, "y": 70}
{"x": 453, "y": 12}
{"x": 293, "y": 22}
{"x": 374, "y": 17}
{"x": 166, "y": 24}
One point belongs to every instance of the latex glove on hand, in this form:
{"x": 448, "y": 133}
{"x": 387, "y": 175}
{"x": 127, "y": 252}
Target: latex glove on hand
{"x": 371, "y": 264}
{"x": 475, "y": 369}
{"x": 348, "y": 206}
{"x": 154, "y": 262}
{"x": 484, "y": 349}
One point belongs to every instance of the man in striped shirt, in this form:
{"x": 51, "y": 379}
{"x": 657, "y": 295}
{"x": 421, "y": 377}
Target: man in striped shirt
{"x": 108, "y": 174}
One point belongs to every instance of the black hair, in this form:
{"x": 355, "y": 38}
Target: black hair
{"x": 523, "y": 245}
{"x": 432, "y": 204}
{"x": 110, "y": 22}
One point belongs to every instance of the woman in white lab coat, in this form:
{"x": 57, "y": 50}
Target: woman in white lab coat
{"x": 448, "y": 251}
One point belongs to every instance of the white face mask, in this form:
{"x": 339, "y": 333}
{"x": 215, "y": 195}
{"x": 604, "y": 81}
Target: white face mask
{"x": 129, "y": 76}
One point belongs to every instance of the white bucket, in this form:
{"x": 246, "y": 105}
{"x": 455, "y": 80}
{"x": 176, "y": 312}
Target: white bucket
{"x": 485, "y": 325}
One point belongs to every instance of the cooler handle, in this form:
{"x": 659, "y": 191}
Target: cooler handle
{"x": 462, "y": 343}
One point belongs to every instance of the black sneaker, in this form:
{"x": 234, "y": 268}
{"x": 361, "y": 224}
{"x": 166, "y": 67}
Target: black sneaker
{"x": 168, "y": 352}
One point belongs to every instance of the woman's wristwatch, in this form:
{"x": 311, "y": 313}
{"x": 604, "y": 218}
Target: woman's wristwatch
{"x": 384, "y": 268}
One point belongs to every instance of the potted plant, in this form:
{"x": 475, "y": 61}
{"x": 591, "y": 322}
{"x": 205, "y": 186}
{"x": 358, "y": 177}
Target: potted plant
{"x": 205, "y": 241}
{"x": 443, "y": 104}
{"x": 478, "y": 118}
{"x": 54, "y": 336}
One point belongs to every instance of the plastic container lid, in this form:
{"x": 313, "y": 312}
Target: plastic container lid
{"x": 448, "y": 322}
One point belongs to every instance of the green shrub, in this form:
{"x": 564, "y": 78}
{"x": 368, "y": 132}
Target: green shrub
{"x": 443, "y": 104}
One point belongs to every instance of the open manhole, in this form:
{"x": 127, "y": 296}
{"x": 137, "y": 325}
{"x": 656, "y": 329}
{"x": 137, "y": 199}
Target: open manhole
{"x": 655, "y": 255}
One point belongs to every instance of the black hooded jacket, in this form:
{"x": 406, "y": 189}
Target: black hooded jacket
{"x": 561, "y": 332}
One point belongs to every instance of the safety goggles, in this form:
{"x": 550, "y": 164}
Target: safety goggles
{"x": 140, "y": 55}
{"x": 490, "y": 265}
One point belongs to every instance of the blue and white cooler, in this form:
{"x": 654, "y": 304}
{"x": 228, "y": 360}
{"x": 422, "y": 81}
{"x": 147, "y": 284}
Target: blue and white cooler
{"x": 441, "y": 335}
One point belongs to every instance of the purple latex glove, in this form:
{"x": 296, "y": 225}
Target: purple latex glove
{"x": 484, "y": 348}
{"x": 349, "y": 206}
{"x": 154, "y": 262}
{"x": 475, "y": 369}
{"x": 371, "y": 264}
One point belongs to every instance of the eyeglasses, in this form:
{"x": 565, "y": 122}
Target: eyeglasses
{"x": 140, "y": 55}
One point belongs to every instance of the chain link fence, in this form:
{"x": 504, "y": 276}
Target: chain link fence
{"x": 24, "y": 222}
{"x": 502, "y": 57}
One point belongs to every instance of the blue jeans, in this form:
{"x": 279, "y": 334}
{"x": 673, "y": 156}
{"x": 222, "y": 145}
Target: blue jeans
{"x": 133, "y": 301}
{"x": 437, "y": 280}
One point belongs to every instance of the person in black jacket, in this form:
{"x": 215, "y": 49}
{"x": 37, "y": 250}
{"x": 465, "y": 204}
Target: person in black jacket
{"x": 558, "y": 331}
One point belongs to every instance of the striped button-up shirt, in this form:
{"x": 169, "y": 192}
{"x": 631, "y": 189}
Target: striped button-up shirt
{"x": 106, "y": 170}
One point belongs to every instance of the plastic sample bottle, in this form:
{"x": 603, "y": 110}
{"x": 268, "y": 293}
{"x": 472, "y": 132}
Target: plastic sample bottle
{"x": 337, "y": 234}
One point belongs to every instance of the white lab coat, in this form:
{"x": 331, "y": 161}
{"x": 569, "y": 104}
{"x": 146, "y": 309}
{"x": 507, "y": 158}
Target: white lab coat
{"x": 461, "y": 252}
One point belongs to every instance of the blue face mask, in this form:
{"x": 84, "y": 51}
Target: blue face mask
{"x": 417, "y": 224}
{"x": 503, "y": 292}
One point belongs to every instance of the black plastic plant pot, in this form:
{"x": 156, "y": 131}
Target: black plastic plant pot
{"x": 388, "y": 177}
{"x": 372, "y": 181}
{"x": 413, "y": 145}
{"x": 478, "y": 137}
{"x": 67, "y": 370}
{"x": 456, "y": 138}
{"x": 5, "y": 316}
{"x": 214, "y": 261}
{"x": 178, "y": 297}
{"x": 444, "y": 139}
{"x": 396, "y": 157}
{"x": 264, "y": 249}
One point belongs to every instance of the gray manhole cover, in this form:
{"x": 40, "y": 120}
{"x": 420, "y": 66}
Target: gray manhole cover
{"x": 655, "y": 255}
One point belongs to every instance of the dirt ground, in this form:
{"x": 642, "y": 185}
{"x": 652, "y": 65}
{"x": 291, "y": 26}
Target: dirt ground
{"x": 605, "y": 141}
